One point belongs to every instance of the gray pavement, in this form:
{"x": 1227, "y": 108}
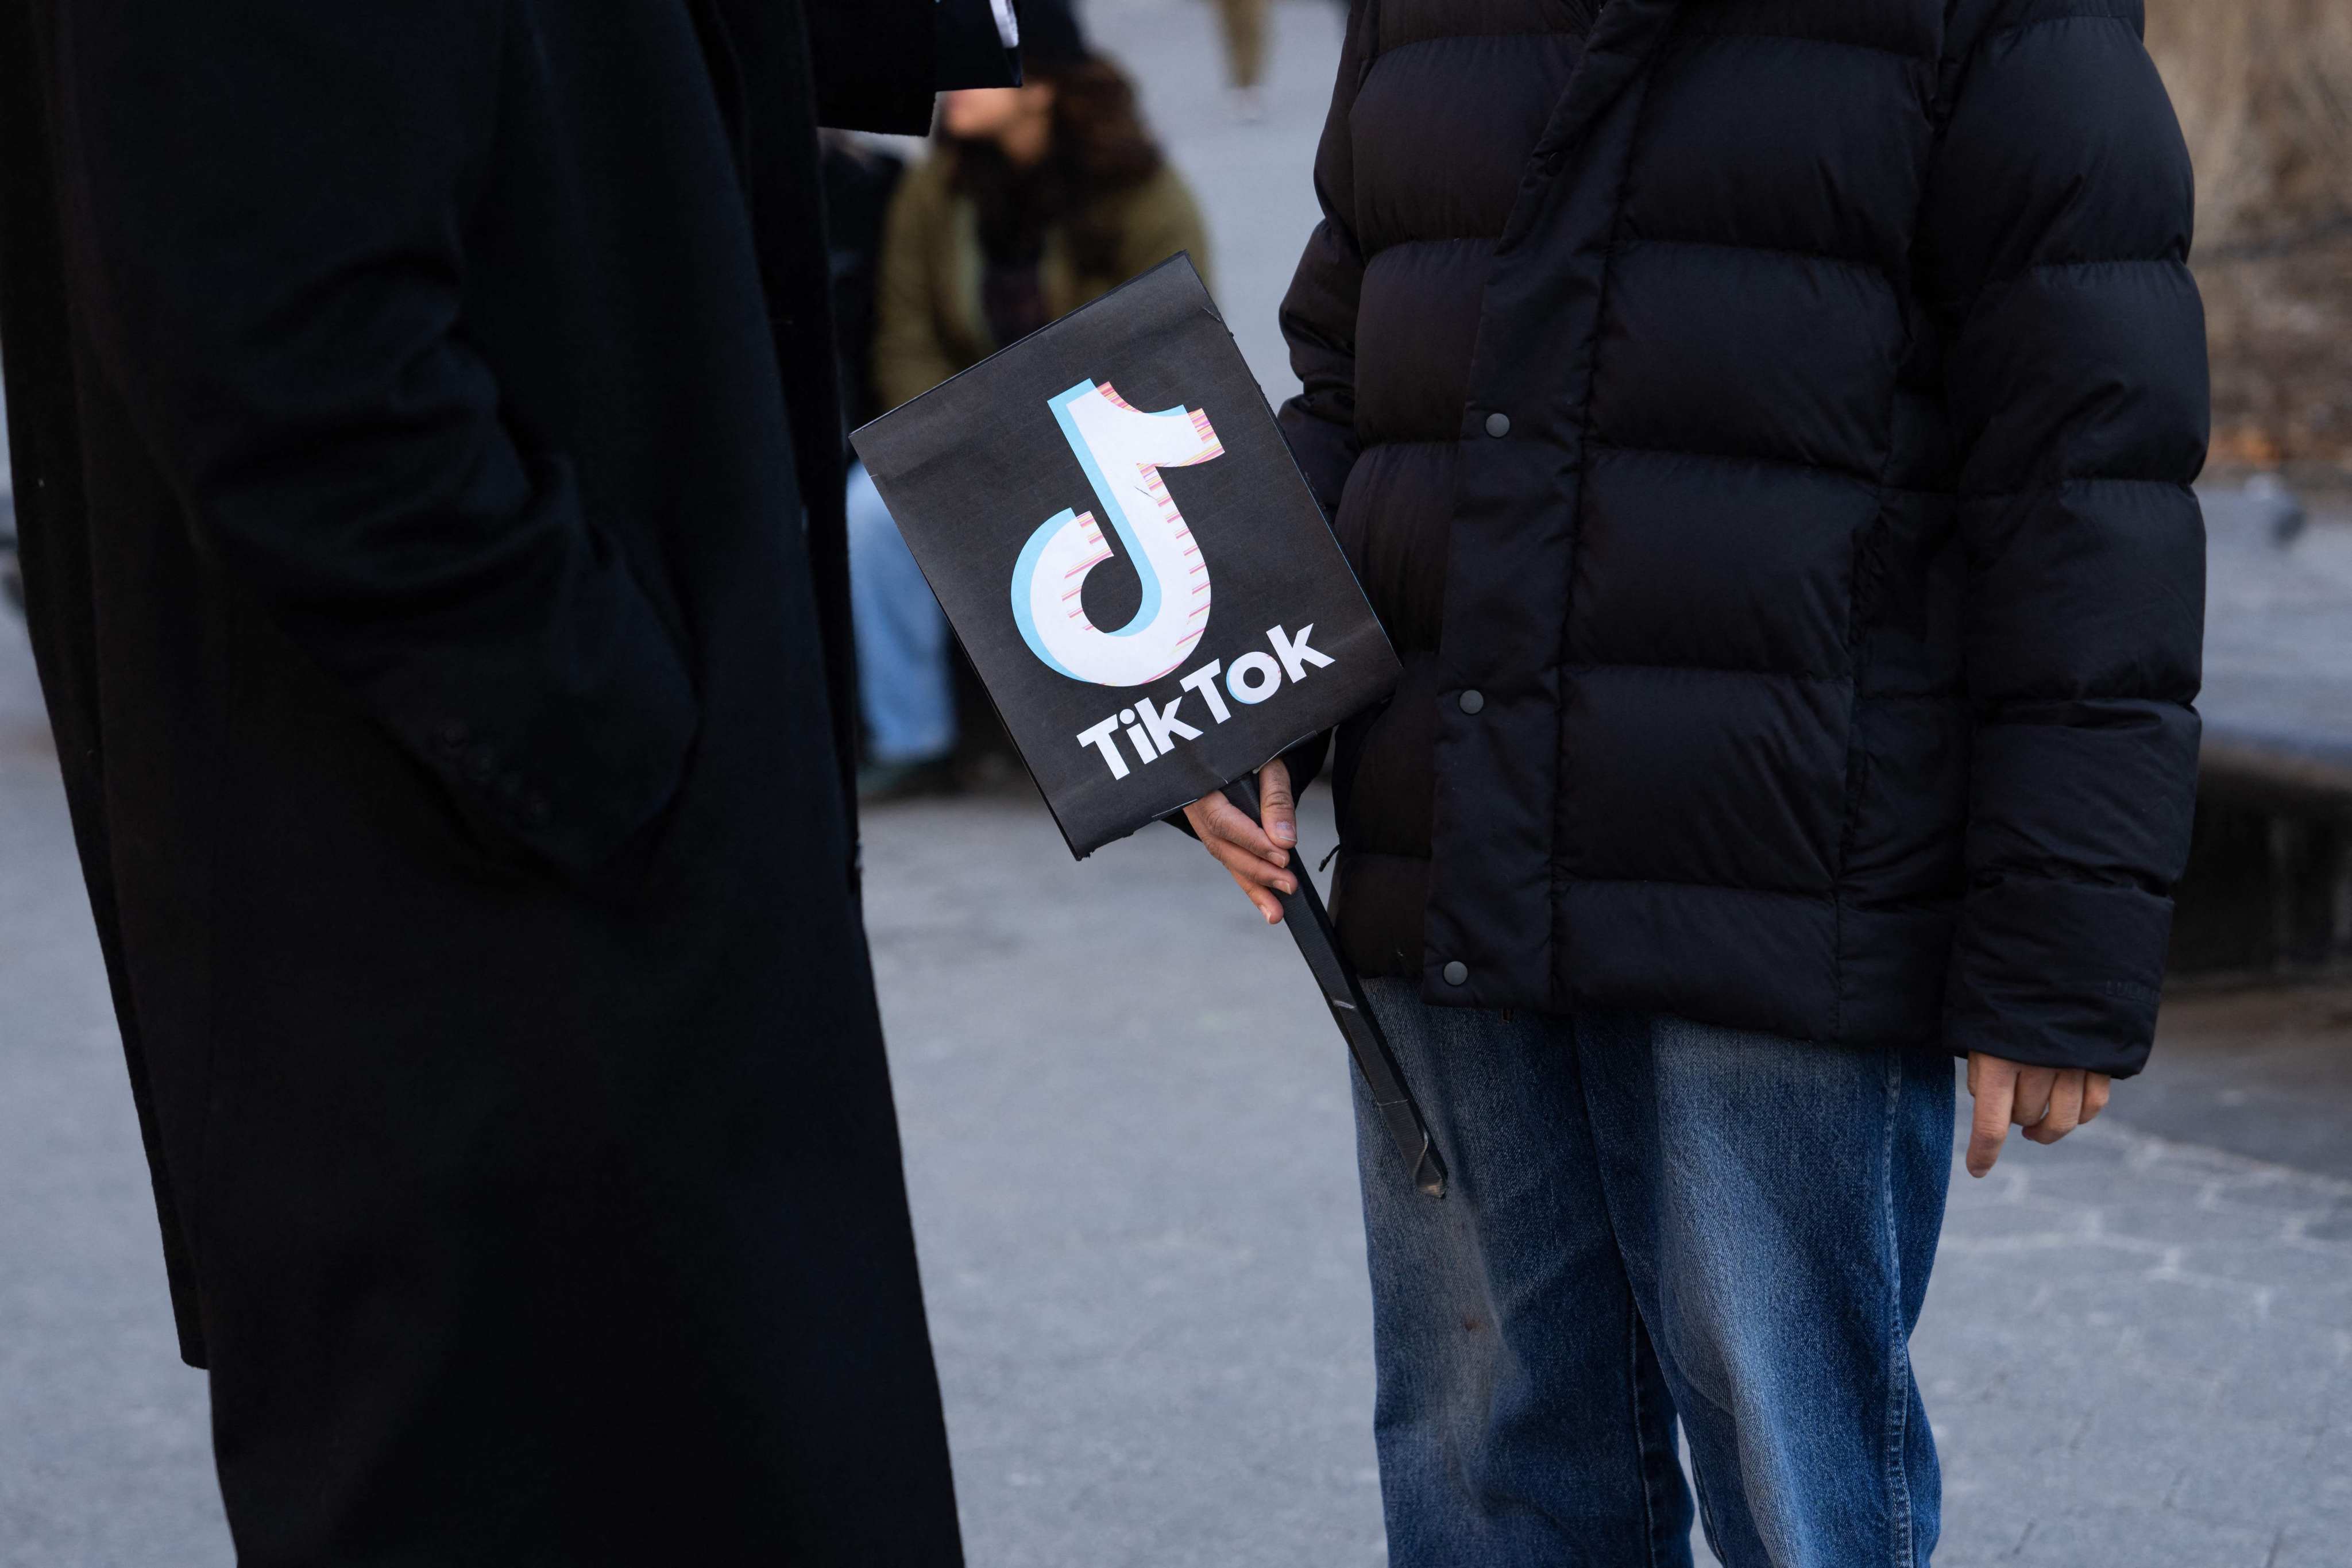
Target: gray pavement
{"x": 2278, "y": 640}
{"x": 103, "y": 1442}
{"x": 1127, "y": 1123}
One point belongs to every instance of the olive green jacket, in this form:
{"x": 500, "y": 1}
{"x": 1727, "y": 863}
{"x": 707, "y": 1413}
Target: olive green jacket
{"x": 929, "y": 321}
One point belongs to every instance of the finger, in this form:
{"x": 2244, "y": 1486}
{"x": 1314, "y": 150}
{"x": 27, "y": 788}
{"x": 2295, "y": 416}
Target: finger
{"x": 1995, "y": 1090}
{"x": 2096, "y": 1087}
{"x": 1266, "y": 903}
{"x": 1221, "y": 821}
{"x": 2031, "y": 1102}
{"x": 2065, "y": 1110}
{"x": 1277, "y": 807}
{"x": 1251, "y": 871}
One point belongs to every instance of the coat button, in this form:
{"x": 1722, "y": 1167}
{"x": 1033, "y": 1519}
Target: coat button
{"x": 1474, "y": 703}
{"x": 1457, "y": 974}
{"x": 535, "y": 811}
{"x": 1498, "y": 426}
{"x": 450, "y": 735}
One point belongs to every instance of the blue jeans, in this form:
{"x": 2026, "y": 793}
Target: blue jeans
{"x": 905, "y": 688}
{"x": 1649, "y": 1220}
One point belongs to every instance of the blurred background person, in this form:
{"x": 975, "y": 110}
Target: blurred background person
{"x": 1245, "y": 28}
{"x": 1245, "y": 23}
{"x": 905, "y": 699}
{"x": 1035, "y": 200}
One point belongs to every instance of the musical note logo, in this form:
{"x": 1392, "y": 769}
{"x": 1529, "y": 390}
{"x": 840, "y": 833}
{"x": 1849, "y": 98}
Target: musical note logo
{"x": 1122, "y": 449}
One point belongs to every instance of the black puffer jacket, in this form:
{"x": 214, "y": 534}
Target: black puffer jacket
{"x": 1767, "y": 429}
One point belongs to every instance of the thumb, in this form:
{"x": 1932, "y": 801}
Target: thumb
{"x": 1279, "y": 809}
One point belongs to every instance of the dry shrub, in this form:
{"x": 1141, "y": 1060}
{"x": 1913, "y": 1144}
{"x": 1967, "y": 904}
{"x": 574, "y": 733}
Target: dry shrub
{"x": 2265, "y": 90}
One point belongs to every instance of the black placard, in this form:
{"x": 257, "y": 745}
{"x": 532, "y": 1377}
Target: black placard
{"x": 1121, "y": 540}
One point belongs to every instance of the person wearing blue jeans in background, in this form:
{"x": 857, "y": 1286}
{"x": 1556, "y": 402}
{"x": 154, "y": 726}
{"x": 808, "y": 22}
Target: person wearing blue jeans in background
{"x": 905, "y": 691}
{"x": 1034, "y": 201}
{"x": 1766, "y": 429}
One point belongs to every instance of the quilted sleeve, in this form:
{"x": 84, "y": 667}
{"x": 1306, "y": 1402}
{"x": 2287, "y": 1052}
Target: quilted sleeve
{"x": 1318, "y": 314}
{"x": 2056, "y": 243}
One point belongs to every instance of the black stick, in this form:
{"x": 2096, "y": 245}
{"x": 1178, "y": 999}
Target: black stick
{"x": 1303, "y": 913}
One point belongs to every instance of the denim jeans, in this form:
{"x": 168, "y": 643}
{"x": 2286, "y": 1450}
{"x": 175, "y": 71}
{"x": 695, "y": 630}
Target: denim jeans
{"x": 905, "y": 688}
{"x": 1650, "y": 1221}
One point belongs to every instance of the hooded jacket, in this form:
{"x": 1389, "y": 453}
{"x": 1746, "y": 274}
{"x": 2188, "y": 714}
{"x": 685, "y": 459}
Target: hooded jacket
{"x": 1766, "y": 427}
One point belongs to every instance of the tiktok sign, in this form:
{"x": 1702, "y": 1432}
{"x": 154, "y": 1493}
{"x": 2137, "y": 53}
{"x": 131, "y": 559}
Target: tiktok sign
{"x": 1111, "y": 436}
{"x": 1181, "y": 613}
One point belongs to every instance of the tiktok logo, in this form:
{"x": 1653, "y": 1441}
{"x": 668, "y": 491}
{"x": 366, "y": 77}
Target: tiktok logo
{"x": 1122, "y": 450}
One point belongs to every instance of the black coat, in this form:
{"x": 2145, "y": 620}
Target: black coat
{"x": 859, "y": 182}
{"x": 414, "y": 535}
{"x": 1770, "y": 442}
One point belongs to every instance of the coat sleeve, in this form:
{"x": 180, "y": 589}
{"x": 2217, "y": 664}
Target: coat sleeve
{"x": 876, "y": 63}
{"x": 265, "y": 210}
{"x": 2056, "y": 240}
{"x": 1318, "y": 313}
{"x": 1319, "y": 321}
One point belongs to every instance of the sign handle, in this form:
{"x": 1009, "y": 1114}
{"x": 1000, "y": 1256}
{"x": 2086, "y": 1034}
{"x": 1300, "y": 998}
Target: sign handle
{"x": 1310, "y": 926}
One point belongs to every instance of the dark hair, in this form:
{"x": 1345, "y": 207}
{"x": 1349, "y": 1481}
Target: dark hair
{"x": 1099, "y": 147}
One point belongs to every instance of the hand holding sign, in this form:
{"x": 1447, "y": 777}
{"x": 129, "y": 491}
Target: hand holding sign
{"x": 1253, "y": 850}
{"x": 1156, "y": 648}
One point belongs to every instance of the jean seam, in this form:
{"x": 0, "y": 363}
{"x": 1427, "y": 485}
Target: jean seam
{"x": 1898, "y": 1361}
{"x": 1707, "y": 1512}
{"x": 1635, "y": 1325}
{"x": 1640, "y": 1429}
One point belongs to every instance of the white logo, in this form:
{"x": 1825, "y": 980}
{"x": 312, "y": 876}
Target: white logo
{"x": 1122, "y": 450}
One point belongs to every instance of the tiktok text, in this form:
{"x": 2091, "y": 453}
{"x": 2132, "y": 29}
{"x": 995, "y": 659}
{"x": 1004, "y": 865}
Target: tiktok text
{"x": 1153, "y": 730}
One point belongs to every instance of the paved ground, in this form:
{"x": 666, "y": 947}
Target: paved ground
{"x": 2278, "y": 640}
{"x": 1137, "y": 1205}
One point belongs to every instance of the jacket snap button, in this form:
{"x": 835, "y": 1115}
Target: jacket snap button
{"x": 1498, "y": 426}
{"x": 1457, "y": 974}
{"x": 1474, "y": 703}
